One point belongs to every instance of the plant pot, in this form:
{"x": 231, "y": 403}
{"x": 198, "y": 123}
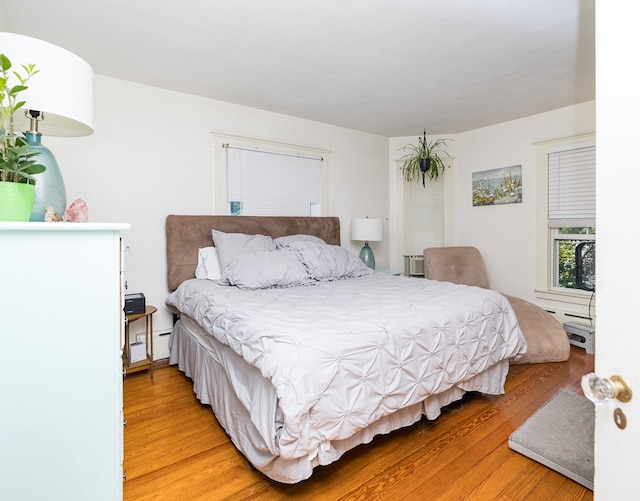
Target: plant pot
{"x": 425, "y": 165}
{"x": 16, "y": 201}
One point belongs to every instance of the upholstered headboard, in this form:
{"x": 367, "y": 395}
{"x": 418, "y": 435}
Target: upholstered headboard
{"x": 186, "y": 234}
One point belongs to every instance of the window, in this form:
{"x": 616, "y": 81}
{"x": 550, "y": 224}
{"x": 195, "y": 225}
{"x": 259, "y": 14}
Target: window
{"x": 259, "y": 178}
{"x": 566, "y": 218}
{"x": 569, "y": 249}
{"x": 571, "y": 209}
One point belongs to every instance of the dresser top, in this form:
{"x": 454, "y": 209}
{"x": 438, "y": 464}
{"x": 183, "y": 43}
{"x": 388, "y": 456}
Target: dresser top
{"x": 37, "y": 226}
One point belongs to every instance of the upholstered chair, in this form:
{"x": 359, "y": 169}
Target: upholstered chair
{"x": 546, "y": 339}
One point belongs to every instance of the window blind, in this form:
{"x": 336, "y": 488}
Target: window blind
{"x": 572, "y": 187}
{"x": 264, "y": 183}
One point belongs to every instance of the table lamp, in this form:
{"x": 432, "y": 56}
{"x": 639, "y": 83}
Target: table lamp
{"x": 60, "y": 96}
{"x": 367, "y": 230}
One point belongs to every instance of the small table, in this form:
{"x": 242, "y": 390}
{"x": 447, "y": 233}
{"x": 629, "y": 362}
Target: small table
{"x": 147, "y": 362}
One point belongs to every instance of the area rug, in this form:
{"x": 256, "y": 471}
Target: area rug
{"x": 560, "y": 436}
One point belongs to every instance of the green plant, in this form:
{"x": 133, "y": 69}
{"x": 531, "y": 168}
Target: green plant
{"x": 17, "y": 163}
{"x": 423, "y": 159}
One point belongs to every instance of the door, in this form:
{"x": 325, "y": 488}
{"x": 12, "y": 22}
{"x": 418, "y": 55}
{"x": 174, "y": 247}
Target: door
{"x": 617, "y": 344}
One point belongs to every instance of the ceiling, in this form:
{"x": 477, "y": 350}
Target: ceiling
{"x": 388, "y": 67}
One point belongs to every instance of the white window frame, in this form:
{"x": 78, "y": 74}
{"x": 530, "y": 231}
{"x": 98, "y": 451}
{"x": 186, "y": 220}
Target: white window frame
{"x": 221, "y": 141}
{"x": 556, "y": 238}
{"x": 545, "y": 236}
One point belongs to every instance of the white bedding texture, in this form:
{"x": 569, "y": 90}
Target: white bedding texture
{"x": 344, "y": 358}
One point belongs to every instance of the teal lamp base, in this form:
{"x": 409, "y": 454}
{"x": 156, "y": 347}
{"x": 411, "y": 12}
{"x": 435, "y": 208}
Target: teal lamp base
{"x": 50, "y": 190}
{"x": 366, "y": 255}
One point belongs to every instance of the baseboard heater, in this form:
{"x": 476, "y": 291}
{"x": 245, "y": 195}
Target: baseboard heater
{"x": 580, "y": 334}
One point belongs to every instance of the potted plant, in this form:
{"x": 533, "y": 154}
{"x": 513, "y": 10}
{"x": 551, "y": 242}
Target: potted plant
{"x": 17, "y": 162}
{"x": 423, "y": 159}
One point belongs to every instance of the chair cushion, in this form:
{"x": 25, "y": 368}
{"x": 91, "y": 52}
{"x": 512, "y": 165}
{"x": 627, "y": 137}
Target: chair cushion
{"x": 460, "y": 265}
{"x": 546, "y": 340}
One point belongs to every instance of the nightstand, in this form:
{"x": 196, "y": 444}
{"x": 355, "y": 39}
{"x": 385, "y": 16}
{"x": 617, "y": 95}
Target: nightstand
{"x": 143, "y": 360}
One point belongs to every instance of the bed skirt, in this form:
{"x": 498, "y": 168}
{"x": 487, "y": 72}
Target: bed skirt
{"x": 250, "y": 415}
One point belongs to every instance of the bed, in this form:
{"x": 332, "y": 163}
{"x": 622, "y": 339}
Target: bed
{"x": 304, "y": 353}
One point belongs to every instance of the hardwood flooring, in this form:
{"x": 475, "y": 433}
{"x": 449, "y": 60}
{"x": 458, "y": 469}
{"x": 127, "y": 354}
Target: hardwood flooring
{"x": 176, "y": 450}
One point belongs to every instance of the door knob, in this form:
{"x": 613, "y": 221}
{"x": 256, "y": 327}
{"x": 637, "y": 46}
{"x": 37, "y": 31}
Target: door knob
{"x": 599, "y": 390}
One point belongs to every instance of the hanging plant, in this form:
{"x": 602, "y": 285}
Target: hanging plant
{"x": 423, "y": 159}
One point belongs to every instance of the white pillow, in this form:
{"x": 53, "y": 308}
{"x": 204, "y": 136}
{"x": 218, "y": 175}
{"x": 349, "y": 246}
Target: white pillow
{"x": 282, "y": 242}
{"x": 329, "y": 262}
{"x": 208, "y": 264}
{"x": 266, "y": 269}
{"x": 231, "y": 245}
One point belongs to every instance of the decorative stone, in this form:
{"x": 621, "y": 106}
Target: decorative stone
{"x": 77, "y": 212}
{"x": 50, "y": 215}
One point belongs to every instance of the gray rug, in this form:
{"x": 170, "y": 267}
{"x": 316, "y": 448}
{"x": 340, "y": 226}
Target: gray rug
{"x": 560, "y": 436}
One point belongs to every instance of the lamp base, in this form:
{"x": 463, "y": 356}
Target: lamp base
{"x": 50, "y": 190}
{"x": 366, "y": 255}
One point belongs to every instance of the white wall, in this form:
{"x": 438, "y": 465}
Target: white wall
{"x": 504, "y": 234}
{"x": 152, "y": 155}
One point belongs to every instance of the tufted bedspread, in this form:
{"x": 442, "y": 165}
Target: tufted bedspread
{"x": 345, "y": 354}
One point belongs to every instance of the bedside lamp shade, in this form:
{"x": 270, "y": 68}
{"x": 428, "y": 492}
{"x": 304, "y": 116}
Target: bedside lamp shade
{"x": 60, "y": 96}
{"x": 367, "y": 230}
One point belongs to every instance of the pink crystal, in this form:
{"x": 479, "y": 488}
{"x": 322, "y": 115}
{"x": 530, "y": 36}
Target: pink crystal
{"x": 77, "y": 212}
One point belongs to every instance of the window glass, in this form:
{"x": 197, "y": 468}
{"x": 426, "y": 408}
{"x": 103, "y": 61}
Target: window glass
{"x": 571, "y": 217}
{"x": 574, "y": 251}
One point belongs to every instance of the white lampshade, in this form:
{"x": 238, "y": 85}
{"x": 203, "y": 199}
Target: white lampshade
{"x": 62, "y": 90}
{"x": 366, "y": 230}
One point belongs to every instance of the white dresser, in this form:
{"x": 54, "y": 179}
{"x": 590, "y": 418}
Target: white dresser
{"x": 61, "y": 325}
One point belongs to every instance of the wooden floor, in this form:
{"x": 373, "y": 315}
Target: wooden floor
{"x": 175, "y": 449}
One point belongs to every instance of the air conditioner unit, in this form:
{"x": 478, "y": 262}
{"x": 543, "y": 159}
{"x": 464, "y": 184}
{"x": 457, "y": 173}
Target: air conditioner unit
{"x": 414, "y": 265}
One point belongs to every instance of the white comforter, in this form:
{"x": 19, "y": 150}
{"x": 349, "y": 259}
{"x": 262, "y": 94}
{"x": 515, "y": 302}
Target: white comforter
{"x": 343, "y": 354}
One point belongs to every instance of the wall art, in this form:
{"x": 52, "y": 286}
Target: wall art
{"x": 497, "y": 186}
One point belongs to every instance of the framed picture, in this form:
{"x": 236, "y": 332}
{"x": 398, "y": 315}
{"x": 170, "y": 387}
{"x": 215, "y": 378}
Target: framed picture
{"x": 235, "y": 208}
{"x": 497, "y": 186}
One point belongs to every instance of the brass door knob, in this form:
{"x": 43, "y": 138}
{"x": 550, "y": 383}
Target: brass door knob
{"x": 599, "y": 390}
